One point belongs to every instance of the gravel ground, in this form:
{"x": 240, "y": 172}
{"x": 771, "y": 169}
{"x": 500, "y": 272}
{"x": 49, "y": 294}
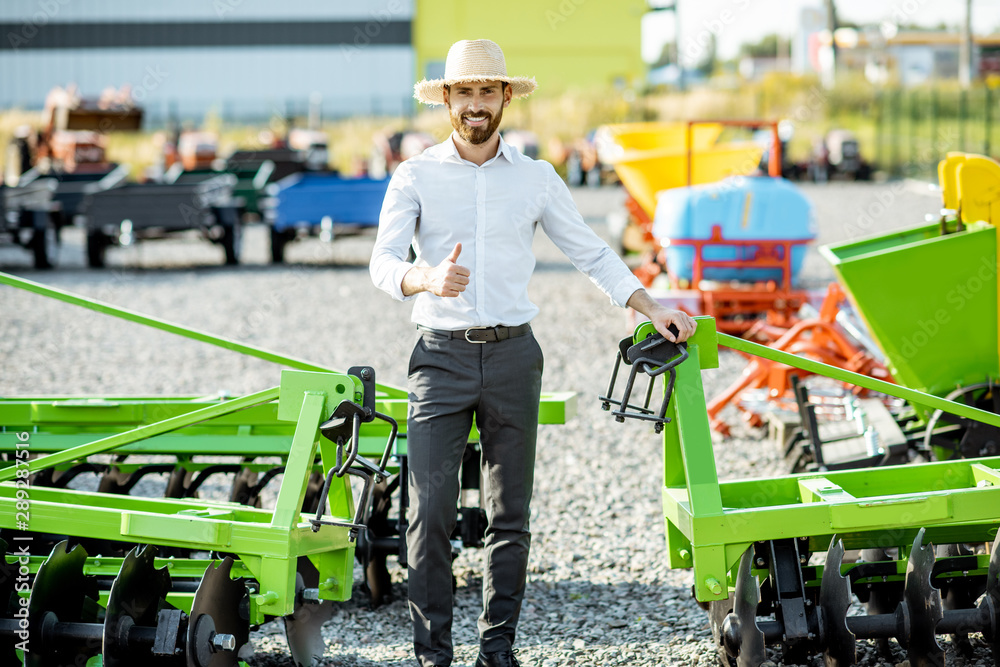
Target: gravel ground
{"x": 599, "y": 591}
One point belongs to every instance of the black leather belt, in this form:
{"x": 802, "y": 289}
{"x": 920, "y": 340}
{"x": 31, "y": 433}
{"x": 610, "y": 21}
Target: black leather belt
{"x": 483, "y": 334}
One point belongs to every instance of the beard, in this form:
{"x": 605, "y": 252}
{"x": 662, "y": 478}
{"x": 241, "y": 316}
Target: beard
{"x": 476, "y": 135}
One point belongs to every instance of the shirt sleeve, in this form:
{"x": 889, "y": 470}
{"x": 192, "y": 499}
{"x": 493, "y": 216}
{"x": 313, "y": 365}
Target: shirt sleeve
{"x": 396, "y": 225}
{"x": 562, "y": 222}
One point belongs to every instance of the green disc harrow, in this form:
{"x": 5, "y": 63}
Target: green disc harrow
{"x": 757, "y": 546}
{"x": 110, "y": 577}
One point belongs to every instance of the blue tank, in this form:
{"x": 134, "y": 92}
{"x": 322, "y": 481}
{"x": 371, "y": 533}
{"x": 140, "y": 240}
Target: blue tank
{"x": 745, "y": 208}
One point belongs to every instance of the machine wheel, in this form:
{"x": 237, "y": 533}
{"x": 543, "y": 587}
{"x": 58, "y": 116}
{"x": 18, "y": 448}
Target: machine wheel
{"x": 232, "y": 240}
{"x": 949, "y": 436}
{"x": 278, "y": 242}
{"x": 45, "y": 243}
{"x": 97, "y": 245}
{"x": 228, "y": 218}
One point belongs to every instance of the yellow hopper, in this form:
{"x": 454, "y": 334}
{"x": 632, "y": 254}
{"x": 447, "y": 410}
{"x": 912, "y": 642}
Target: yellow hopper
{"x": 614, "y": 140}
{"x": 645, "y": 173}
{"x": 650, "y": 157}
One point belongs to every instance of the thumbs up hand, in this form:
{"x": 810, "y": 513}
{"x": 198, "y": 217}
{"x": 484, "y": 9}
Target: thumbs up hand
{"x": 448, "y": 278}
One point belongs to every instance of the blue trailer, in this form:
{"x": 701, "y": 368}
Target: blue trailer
{"x": 321, "y": 204}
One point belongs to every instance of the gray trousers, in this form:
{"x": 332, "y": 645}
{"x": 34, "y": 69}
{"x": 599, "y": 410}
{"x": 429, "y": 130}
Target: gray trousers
{"x": 452, "y": 381}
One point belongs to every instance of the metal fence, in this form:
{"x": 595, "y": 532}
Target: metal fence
{"x": 914, "y": 129}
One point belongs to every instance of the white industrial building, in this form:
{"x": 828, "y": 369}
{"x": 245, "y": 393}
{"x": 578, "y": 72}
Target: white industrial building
{"x": 246, "y": 59}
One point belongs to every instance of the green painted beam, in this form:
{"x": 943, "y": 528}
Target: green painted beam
{"x": 81, "y": 412}
{"x": 164, "y": 325}
{"x": 115, "y": 441}
{"x": 105, "y": 566}
{"x": 288, "y": 506}
{"x": 192, "y": 524}
{"x": 911, "y": 395}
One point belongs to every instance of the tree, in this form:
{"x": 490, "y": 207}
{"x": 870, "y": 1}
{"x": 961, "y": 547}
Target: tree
{"x": 709, "y": 61}
{"x": 767, "y": 47}
{"x": 668, "y": 55}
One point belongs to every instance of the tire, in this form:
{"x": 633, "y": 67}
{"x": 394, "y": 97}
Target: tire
{"x": 948, "y": 437}
{"x": 278, "y": 242}
{"x": 45, "y": 244}
{"x": 232, "y": 241}
{"x": 97, "y": 245}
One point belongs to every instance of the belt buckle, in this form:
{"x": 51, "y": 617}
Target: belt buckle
{"x": 469, "y": 340}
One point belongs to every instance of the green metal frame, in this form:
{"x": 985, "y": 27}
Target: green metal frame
{"x": 58, "y": 423}
{"x": 710, "y": 523}
{"x": 282, "y": 421}
{"x": 267, "y": 542}
{"x": 937, "y": 329}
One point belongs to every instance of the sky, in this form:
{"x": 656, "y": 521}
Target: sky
{"x": 737, "y": 21}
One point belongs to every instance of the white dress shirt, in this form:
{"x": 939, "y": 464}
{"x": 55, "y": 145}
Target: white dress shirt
{"x": 438, "y": 199}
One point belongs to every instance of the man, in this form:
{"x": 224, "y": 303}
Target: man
{"x": 470, "y": 206}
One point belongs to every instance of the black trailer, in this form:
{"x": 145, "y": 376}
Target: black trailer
{"x": 72, "y": 187}
{"x": 30, "y": 220}
{"x": 136, "y": 212}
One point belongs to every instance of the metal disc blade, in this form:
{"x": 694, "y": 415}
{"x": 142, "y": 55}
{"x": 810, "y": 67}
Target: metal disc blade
{"x": 303, "y": 630}
{"x": 923, "y": 603}
{"x": 835, "y": 600}
{"x": 136, "y": 596}
{"x": 718, "y": 610}
{"x": 8, "y": 576}
{"x": 993, "y": 594}
{"x": 61, "y": 588}
{"x": 216, "y": 609}
{"x": 747, "y": 597}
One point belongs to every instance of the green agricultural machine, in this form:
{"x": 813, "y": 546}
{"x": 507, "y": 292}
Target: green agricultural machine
{"x": 781, "y": 561}
{"x": 754, "y": 544}
{"x": 114, "y": 578}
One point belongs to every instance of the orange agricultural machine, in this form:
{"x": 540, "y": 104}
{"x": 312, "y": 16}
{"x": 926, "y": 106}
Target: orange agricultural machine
{"x": 821, "y": 338}
{"x": 730, "y": 242}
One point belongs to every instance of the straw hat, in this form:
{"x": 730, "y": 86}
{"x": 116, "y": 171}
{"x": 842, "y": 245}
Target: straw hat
{"x": 472, "y": 60}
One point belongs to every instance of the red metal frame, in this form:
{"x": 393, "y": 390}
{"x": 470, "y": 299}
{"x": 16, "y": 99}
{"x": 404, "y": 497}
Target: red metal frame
{"x": 756, "y": 254}
{"x": 820, "y": 339}
{"x": 736, "y": 309}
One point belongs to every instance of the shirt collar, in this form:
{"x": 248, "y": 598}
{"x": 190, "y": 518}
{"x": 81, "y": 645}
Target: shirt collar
{"x": 447, "y": 151}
